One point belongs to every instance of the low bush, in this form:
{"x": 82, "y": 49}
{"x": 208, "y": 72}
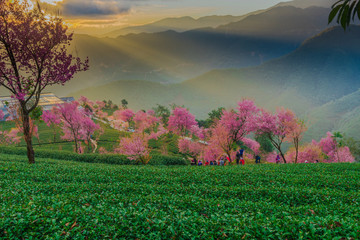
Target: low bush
{"x": 71, "y": 200}
{"x": 94, "y": 158}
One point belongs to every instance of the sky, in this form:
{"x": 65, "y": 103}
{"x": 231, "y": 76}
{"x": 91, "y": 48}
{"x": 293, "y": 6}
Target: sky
{"x": 107, "y": 14}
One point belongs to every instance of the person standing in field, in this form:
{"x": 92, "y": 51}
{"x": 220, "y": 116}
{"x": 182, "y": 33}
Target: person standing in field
{"x": 242, "y": 161}
{"x": 222, "y": 162}
{"x": 257, "y": 159}
{"x": 238, "y": 157}
{"x": 277, "y": 159}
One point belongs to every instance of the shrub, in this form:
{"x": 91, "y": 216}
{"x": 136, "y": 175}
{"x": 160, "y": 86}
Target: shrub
{"x": 94, "y": 158}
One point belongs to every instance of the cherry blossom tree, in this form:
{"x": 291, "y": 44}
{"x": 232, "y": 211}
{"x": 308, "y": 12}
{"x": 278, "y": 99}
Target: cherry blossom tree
{"x": 144, "y": 121}
{"x": 2, "y": 115}
{"x": 234, "y": 126}
{"x": 296, "y": 129}
{"x": 124, "y": 115}
{"x": 189, "y": 147}
{"x": 10, "y": 137}
{"x": 75, "y": 123}
{"x": 276, "y": 127}
{"x": 71, "y": 119}
{"x": 252, "y": 144}
{"x": 308, "y": 153}
{"x": 211, "y": 152}
{"x": 135, "y": 147}
{"x": 160, "y": 130}
{"x": 52, "y": 120}
{"x": 271, "y": 157}
{"x": 222, "y": 138}
{"x": 88, "y": 128}
{"x": 33, "y": 55}
{"x": 181, "y": 121}
{"x": 333, "y": 149}
{"x": 199, "y": 132}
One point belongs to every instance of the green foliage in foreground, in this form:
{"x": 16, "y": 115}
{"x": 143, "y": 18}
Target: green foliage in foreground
{"x": 54, "y": 199}
{"x": 117, "y": 159}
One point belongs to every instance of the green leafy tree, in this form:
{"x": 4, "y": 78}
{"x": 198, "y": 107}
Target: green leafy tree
{"x": 213, "y": 116}
{"x": 345, "y": 11}
{"x": 353, "y": 145}
{"x": 265, "y": 143}
{"x": 124, "y": 103}
{"x": 163, "y": 112}
{"x": 36, "y": 113}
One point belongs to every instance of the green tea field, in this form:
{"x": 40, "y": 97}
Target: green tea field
{"x": 55, "y": 199}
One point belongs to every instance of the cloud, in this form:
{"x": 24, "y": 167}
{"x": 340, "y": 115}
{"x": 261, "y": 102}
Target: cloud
{"x": 93, "y": 8}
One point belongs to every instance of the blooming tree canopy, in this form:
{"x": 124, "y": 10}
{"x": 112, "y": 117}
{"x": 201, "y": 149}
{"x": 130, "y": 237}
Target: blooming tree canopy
{"x": 75, "y": 123}
{"x": 2, "y": 115}
{"x": 234, "y": 126}
{"x": 190, "y": 147}
{"x": 33, "y": 55}
{"x": 52, "y": 120}
{"x": 144, "y": 121}
{"x": 276, "y": 127}
{"x": 252, "y": 144}
{"x": 135, "y": 147}
{"x": 309, "y": 153}
{"x": 332, "y": 149}
{"x": 181, "y": 121}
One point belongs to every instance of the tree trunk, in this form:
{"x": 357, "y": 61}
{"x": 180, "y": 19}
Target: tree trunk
{"x": 89, "y": 145}
{"x": 54, "y": 135}
{"x": 296, "y": 145}
{"x": 76, "y": 146}
{"x": 28, "y": 137}
{"x": 282, "y": 155}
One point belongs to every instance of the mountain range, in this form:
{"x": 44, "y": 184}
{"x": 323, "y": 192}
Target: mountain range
{"x": 318, "y": 76}
{"x": 286, "y": 55}
{"x": 173, "y": 57}
{"x": 179, "y": 24}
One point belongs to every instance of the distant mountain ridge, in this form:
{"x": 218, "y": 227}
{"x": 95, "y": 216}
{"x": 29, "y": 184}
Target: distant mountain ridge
{"x": 307, "y": 3}
{"x": 179, "y": 24}
{"x": 319, "y": 72}
{"x": 186, "y": 23}
{"x": 172, "y": 57}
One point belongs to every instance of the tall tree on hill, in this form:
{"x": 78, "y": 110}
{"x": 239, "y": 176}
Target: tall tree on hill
{"x": 345, "y": 10}
{"x": 33, "y": 55}
{"x": 124, "y": 103}
{"x": 277, "y": 128}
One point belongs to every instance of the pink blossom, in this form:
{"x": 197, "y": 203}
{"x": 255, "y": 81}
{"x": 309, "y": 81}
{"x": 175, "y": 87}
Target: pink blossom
{"x": 190, "y": 147}
{"x": 271, "y": 157}
{"x": 2, "y": 115}
{"x": 161, "y": 130}
{"x": 135, "y": 147}
{"x": 10, "y": 137}
{"x": 100, "y": 104}
{"x": 181, "y": 121}
{"x": 144, "y": 121}
{"x": 124, "y": 115}
{"x": 50, "y": 118}
{"x": 276, "y": 127}
{"x": 201, "y": 133}
{"x": 252, "y": 144}
{"x": 75, "y": 123}
{"x": 212, "y": 153}
{"x": 308, "y": 153}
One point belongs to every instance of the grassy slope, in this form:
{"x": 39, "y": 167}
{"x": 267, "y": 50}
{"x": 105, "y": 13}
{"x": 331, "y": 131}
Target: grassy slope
{"x": 107, "y": 140}
{"x": 53, "y": 199}
{"x": 339, "y": 115}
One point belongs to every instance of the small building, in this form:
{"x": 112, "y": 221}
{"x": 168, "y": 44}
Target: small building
{"x": 47, "y": 101}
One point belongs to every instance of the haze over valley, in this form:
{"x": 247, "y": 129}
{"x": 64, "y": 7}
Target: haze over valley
{"x": 285, "y": 55}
